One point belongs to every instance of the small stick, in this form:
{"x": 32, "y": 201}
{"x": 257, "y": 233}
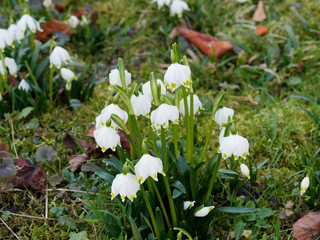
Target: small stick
{"x": 9, "y": 228}
{"x": 47, "y": 203}
{"x": 29, "y": 216}
{"x": 14, "y": 146}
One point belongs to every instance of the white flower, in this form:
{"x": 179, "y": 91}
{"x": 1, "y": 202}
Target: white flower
{"x": 203, "y": 211}
{"x": 47, "y": 3}
{"x": 106, "y": 137}
{"x": 304, "y": 185}
{"x": 59, "y": 56}
{"x": 221, "y": 116}
{"x": 245, "y": 170}
{"x": 26, "y": 21}
{"x": 177, "y": 75}
{"x": 114, "y": 77}
{"x": 67, "y": 74}
{"x": 234, "y": 144}
{"x": 141, "y": 105}
{"x": 12, "y": 66}
{"x": 1, "y": 69}
{"x": 98, "y": 122}
{"x": 125, "y": 185}
{"x": 24, "y": 85}
{"x": 146, "y": 88}
{"x": 148, "y": 166}
{"x": 177, "y": 7}
{"x": 162, "y": 115}
{"x": 113, "y": 109}
{"x": 188, "y": 204}
{"x": 12, "y": 29}
{"x": 5, "y": 39}
{"x": 197, "y": 106}
{"x": 73, "y": 21}
{"x": 161, "y": 3}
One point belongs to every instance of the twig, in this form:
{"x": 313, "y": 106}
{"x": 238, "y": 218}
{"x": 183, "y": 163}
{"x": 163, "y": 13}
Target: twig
{"x": 70, "y": 190}
{"x": 14, "y": 146}
{"x": 29, "y": 216}
{"x": 286, "y": 230}
{"x": 47, "y": 203}
{"x": 9, "y": 228}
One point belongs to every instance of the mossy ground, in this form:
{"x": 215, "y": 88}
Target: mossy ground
{"x": 269, "y": 112}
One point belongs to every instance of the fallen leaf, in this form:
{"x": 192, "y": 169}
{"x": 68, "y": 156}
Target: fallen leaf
{"x": 92, "y": 147}
{"x": 247, "y": 233}
{"x": 58, "y": 7}
{"x": 289, "y": 204}
{"x": 4, "y": 147}
{"x": 91, "y": 130}
{"x": 12, "y": 81}
{"x": 207, "y": 44}
{"x": 45, "y": 154}
{"x": 94, "y": 16}
{"x": 56, "y": 179}
{"x": 28, "y": 175}
{"x": 300, "y": 65}
{"x": 307, "y": 227}
{"x": 259, "y": 14}
{"x": 261, "y": 30}
{"x": 70, "y": 141}
{"x": 285, "y": 213}
{"x": 76, "y": 161}
{"x": 80, "y": 12}
{"x": 7, "y": 170}
{"x": 52, "y": 27}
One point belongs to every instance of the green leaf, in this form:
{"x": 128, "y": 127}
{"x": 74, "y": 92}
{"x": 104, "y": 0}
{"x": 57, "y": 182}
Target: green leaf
{"x": 56, "y": 179}
{"x": 239, "y": 229}
{"x": 105, "y": 176}
{"x": 78, "y": 236}
{"x": 178, "y": 185}
{"x": 25, "y": 112}
{"x": 264, "y": 212}
{"x": 114, "y": 162}
{"x": 135, "y": 230}
{"x": 160, "y": 222}
{"x": 45, "y": 154}
{"x": 75, "y": 103}
{"x": 236, "y": 210}
{"x": 226, "y": 171}
{"x": 5, "y": 215}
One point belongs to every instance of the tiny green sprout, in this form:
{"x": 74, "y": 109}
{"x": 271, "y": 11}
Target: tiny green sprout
{"x": 126, "y": 168}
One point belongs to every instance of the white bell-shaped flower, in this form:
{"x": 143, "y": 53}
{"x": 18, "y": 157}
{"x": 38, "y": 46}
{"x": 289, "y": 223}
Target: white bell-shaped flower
{"x": 188, "y": 204}
{"x": 106, "y": 137}
{"x": 177, "y": 75}
{"x": 73, "y": 21}
{"x": 59, "y": 56}
{"x": 113, "y": 109}
{"x": 161, "y": 116}
{"x": 161, "y": 3}
{"x": 141, "y": 105}
{"x": 98, "y": 122}
{"x": 245, "y": 170}
{"x": 148, "y": 166}
{"x": 24, "y": 85}
{"x": 47, "y": 3}
{"x": 114, "y": 78}
{"x": 12, "y": 66}
{"x": 67, "y": 74}
{"x": 12, "y": 30}
{"x": 146, "y": 88}
{"x": 234, "y": 144}
{"x": 197, "y": 106}
{"x": 221, "y": 116}
{"x": 1, "y": 68}
{"x": 6, "y": 39}
{"x": 304, "y": 185}
{"x": 125, "y": 186}
{"x": 177, "y": 7}
{"x": 26, "y": 21}
{"x": 203, "y": 211}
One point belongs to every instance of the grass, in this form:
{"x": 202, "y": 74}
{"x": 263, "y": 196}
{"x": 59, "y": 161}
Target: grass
{"x": 279, "y": 127}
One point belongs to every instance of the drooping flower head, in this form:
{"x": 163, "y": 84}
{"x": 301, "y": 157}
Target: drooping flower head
{"x": 177, "y": 75}
{"x": 148, "y": 166}
{"x": 106, "y": 137}
{"x": 304, "y": 185}
{"x": 125, "y": 186}
{"x": 68, "y": 76}
{"x": 188, "y": 204}
{"x": 59, "y": 56}
{"x": 245, "y": 170}
{"x": 73, "y": 21}
{"x": 222, "y": 115}
{"x": 24, "y": 85}
{"x": 203, "y": 211}
{"x": 197, "y": 106}
{"x": 26, "y": 21}
{"x": 113, "y": 109}
{"x": 47, "y": 3}
{"x": 12, "y": 66}
{"x": 234, "y": 145}
{"x": 6, "y": 39}
{"x": 141, "y": 105}
{"x": 146, "y": 88}
{"x": 161, "y": 116}
{"x": 12, "y": 29}
{"x": 161, "y": 3}
{"x": 177, "y": 7}
{"x": 114, "y": 78}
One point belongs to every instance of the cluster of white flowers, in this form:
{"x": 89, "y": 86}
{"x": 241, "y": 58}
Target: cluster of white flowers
{"x": 10, "y": 64}
{"x": 176, "y": 6}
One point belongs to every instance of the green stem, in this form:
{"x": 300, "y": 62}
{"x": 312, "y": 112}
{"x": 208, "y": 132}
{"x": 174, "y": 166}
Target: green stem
{"x": 191, "y": 120}
{"x": 32, "y": 41}
{"x": 175, "y": 139}
{"x": 31, "y": 74}
{"x": 133, "y": 144}
{"x": 51, "y": 87}
{"x": 161, "y": 204}
{"x": 5, "y": 75}
{"x": 153, "y": 219}
{"x": 187, "y": 118}
{"x": 164, "y": 150}
{"x": 171, "y": 203}
{"x": 213, "y": 177}
{"x": 207, "y": 141}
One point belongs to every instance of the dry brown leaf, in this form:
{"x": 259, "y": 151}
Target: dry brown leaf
{"x": 285, "y": 213}
{"x": 247, "y": 233}
{"x": 80, "y": 12}
{"x": 259, "y": 15}
{"x": 207, "y": 44}
{"x": 300, "y": 65}
{"x": 261, "y": 30}
{"x": 307, "y": 227}
{"x": 49, "y": 28}
{"x": 58, "y": 7}
{"x": 70, "y": 141}
{"x": 76, "y": 161}
{"x": 289, "y": 204}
